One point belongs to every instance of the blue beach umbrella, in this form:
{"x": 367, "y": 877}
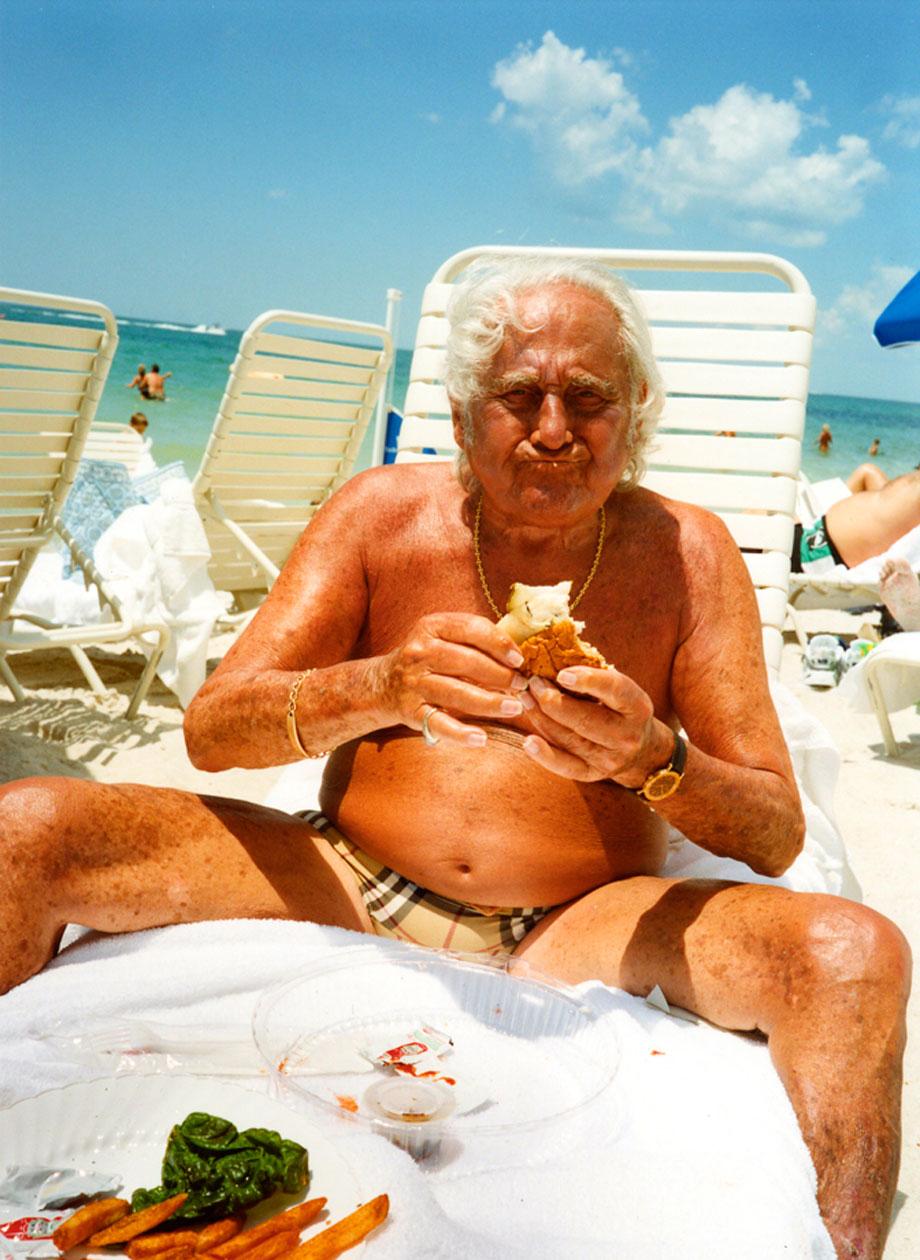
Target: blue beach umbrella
{"x": 899, "y": 322}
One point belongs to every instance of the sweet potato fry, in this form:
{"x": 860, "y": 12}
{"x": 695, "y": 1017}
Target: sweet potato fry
{"x": 87, "y": 1220}
{"x": 281, "y": 1243}
{"x": 155, "y": 1244}
{"x": 346, "y": 1233}
{"x": 218, "y": 1232}
{"x": 138, "y": 1222}
{"x": 176, "y": 1253}
{"x": 294, "y": 1218}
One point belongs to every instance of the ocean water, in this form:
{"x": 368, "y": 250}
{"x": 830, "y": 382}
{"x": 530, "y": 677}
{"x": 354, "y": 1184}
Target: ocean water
{"x": 199, "y": 363}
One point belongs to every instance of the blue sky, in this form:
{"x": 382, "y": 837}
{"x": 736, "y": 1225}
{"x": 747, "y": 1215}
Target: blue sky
{"x": 205, "y": 161}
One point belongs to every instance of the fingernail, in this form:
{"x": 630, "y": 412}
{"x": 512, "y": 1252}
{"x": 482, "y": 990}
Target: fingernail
{"x": 537, "y": 685}
{"x": 476, "y": 739}
{"x": 514, "y": 658}
{"x": 518, "y": 682}
{"x": 528, "y": 701}
{"x": 567, "y": 677}
{"x": 511, "y": 708}
{"x": 530, "y": 747}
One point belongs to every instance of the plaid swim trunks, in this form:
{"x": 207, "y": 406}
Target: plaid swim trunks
{"x": 407, "y": 912}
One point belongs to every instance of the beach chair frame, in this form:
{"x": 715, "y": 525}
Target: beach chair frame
{"x": 51, "y": 380}
{"x": 286, "y": 436}
{"x": 732, "y": 360}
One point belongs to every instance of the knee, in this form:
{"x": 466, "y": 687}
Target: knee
{"x": 33, "y": 820}
{"x": 850, "y": 945}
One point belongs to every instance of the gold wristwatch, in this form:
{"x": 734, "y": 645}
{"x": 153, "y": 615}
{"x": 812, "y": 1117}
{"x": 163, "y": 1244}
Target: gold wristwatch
{"x": 665, "y": 782}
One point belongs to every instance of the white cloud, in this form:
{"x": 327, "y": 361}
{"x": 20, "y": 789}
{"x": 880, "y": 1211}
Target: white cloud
{"x": 801, "y": 90}
{"x": 743, "y": 158}
{"x": 277, "y": 194}
{"x": 903, "y": 126}
{"x": 432, "y": 118}
{"x": 576, "y": 110}
{"x": 858, "y": 305}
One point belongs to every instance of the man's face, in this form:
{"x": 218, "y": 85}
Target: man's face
{"x": 549, "y": 435}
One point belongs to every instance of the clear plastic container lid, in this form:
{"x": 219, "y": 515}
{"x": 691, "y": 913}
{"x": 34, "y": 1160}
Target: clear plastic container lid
{"x": 528, "y": 1054}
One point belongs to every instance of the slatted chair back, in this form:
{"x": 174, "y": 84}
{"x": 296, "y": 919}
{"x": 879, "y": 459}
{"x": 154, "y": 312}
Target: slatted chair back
{"x": 115, "y": 444}
{"x": 299, "y": 398}
{"x": 55, "y": 356}
{"x": 733, "y": 337}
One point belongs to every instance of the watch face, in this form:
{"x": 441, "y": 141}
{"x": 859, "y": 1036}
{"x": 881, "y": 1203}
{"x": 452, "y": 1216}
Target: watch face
{"x": 663, "y": 784}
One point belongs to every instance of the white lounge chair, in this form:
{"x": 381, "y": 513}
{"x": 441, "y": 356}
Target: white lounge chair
{"x": 52, "y": 370}
{"x": 301, "y": 392}
{"x": 115, "y": 443}
{"x": 733, "y": 359}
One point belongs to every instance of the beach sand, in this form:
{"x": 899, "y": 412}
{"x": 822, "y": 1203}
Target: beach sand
{"x": 62, "y": 729}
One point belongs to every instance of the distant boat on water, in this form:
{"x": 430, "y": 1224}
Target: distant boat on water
{"x": 214, "y": 330}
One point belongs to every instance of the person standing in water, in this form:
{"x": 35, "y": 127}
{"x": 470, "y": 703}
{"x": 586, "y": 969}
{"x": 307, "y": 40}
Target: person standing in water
{"x": 875, "y": 447}
{"x": 141, "y": 380}
{"x": 156, "y": 381}
{"x": 825, "y": 437}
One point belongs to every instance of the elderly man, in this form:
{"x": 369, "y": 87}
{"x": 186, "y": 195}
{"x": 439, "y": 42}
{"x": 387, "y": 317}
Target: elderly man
{"x": 527, "y": 817}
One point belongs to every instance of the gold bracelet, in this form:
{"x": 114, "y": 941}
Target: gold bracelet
{"x": 293, "y": 733}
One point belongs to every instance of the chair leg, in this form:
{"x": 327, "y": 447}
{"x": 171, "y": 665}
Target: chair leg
{"x": 797, "y": 624}
{"x": 148, "y": 672}
{"x": 881, "y": 712}
{"x": 88, "y": 670}
{"x": 11, "y": 680}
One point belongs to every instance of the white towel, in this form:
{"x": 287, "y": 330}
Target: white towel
{"x": 155, "y": 558}
{"x": 694, "y": 1151}
{"x": 899, "y": 680}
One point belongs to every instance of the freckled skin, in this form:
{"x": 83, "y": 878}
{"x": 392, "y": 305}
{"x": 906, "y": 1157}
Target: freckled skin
{"x": 381, "y": 597}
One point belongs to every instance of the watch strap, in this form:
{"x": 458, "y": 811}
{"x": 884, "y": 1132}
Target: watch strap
{"x": 676, "y": 765}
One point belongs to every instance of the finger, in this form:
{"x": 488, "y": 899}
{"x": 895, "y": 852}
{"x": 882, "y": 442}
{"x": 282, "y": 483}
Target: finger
{"x": 617, "y": 691}
{"x": 463, "y": 698}
{"x": 461, "y": 661}
{"x": 566, "y": 764}
{"x": 444, "y": 726}
{"x": 583, "y": 717}
{"x": 477, "y": 632}
{"x": 598, "y": 757}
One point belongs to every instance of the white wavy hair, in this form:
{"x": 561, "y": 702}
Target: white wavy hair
{"x": 484, "y": 306}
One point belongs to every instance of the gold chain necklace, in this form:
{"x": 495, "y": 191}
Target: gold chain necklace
{"x": 477, "y": 552}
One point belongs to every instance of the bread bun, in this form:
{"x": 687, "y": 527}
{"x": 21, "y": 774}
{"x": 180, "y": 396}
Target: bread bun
{"x": 539, "y": 621}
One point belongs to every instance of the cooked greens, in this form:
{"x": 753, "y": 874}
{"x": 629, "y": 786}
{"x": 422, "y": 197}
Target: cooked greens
{"x": 223, "y": 1170}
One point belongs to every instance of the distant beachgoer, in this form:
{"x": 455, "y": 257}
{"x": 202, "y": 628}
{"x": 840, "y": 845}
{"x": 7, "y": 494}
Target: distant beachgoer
{"x": 900, "y": 588}
{"x": 862, "y": 525}
{"x": 141, "y": 380}
{"x": 155, "y": 383}
{"x": 825, "y": 437}
{"x": 876, "y": 446}
{"x": 139, "y": 423}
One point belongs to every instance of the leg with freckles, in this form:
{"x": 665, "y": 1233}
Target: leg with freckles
{"x": 122, "y": 857}
{"x": 825, "y": 979}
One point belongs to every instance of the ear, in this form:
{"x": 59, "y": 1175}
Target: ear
{"x": 456, "y": 415}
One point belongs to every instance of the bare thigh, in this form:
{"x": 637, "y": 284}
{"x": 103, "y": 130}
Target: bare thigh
{"x": 731, "y": 952}
{"x": 122, "y": 857}
{"x": 866, "y": 524}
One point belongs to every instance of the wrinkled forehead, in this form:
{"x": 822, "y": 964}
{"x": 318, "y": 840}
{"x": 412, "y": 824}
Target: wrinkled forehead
{"x": 564, "y": 322}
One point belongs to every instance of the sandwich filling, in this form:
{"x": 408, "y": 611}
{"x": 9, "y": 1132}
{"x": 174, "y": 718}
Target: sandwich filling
{"x": 541, "y": 624}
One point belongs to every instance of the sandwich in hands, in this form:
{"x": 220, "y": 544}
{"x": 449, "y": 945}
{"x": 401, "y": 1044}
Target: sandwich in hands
{"x": 539, "y": 621}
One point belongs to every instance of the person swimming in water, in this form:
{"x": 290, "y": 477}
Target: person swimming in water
{"x": 141, "y": 381}
{"x": 156, "y": 381}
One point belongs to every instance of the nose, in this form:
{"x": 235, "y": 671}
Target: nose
{"x": 552, "y": 429}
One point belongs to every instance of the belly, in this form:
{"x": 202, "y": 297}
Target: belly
{"x": 487, "y": 826}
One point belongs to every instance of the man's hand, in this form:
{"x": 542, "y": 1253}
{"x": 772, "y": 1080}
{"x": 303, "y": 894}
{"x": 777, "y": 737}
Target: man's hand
{"x": 457, "y": 664}
{"x": 607, "y": 731}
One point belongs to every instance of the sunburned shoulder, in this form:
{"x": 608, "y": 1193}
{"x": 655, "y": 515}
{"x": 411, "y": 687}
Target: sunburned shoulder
{"x": 382, "y": 497}
{"x": 691, "y": 527}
